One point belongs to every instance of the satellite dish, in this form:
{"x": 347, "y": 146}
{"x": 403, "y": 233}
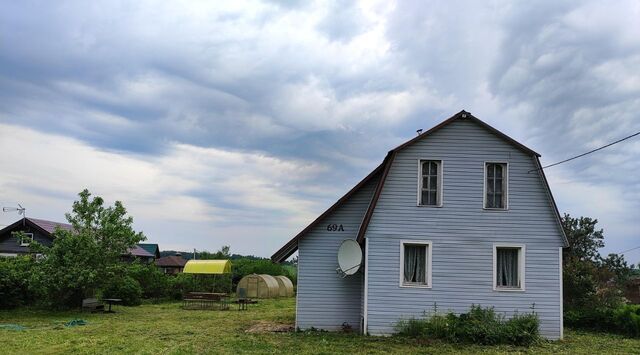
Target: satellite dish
{"x": 349, "y": 257}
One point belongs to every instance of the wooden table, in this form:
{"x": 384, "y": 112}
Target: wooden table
{"x": 111, "y": 301}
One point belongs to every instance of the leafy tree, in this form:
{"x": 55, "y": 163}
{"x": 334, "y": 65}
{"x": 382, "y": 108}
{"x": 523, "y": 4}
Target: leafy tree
{"x": 88, "y": 257}
{"x": 584, "y": 239}
{"x": 223, "y": 253}
{"x": 593, "y": 285}
{"x": 15, "y": 286}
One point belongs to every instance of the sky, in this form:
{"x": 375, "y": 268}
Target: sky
{"x": 239, "y": 122}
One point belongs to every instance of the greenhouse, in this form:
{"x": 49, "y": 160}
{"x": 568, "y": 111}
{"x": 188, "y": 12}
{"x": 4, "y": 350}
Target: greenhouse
{"x": 259, "y": 286}
{"x": 285, "y": 285}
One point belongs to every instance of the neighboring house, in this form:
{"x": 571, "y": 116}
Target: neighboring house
{"x": 153, "y": 249}
{"x": 172, "y": 264}
{"x": 138, "y": 253}
{"x": 39, "y": 230}
{"x": 461, "y": 214}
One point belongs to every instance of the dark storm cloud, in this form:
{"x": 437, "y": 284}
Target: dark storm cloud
{"x": 331, "y": 85}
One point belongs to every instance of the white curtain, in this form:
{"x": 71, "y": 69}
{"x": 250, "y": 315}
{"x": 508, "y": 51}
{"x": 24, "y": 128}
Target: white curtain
{"x": 507, "y": 264}
{"x": 415, "y": 257}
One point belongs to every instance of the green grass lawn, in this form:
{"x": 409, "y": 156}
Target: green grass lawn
{"x": 166, "y": 328}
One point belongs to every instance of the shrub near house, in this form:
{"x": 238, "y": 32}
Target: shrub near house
{"x": 478, "y": 326}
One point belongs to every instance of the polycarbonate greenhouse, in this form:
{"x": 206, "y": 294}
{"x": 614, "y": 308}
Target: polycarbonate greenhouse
{"x": 285, "y": 285}
{"x": 259, "y": 286}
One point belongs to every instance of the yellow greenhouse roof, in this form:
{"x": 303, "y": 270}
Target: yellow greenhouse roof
{"x": 208, "y": 267}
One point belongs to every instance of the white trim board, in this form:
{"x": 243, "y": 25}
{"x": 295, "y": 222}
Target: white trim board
{"x": 440, "y": 163}
{"x": 484, "y": 186}
{"x": 561, "y": 296}
{"x": 366, "y": 287}
{"x": 428, "y": 262}
{"x": 522, "y": 261}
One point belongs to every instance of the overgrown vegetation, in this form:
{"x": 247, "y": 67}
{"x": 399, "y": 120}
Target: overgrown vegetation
{"x": 593, "y": 285}
{"x": 88, "y": 262}
{"x": 478, "y": 326}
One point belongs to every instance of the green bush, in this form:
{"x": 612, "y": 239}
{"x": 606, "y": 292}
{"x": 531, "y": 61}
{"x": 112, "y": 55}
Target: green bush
{"x": 181, "y": 284}
{"x": 627, "y": 319}
{"x": 125, "y": 288}
{"x": 244, "y": 267}
{"x": 155, "y": 284}
{"x": 479, "y": 326}
{"x": 592, "y": 318}
{"x": 522, "y": 329}
{"x": 16, "y": 284}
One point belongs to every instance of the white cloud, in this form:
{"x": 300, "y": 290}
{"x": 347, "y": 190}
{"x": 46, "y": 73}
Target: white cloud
{"x": 50, "y": 170}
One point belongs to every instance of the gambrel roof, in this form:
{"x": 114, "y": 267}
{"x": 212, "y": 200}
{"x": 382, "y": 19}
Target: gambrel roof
{"x": 383, "y": 169}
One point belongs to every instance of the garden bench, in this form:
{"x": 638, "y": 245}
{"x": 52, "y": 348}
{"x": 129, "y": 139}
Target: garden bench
{"x": 92, "y": 305}
{"x": 205, "y": 300}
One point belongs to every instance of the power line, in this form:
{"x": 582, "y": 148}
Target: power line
{"x": 628, "y": 250}
{"x": 589, "y": 152}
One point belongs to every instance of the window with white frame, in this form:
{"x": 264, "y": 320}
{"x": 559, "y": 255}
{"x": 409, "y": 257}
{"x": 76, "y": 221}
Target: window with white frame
{"x": 415, "y": 264}
{"x": 26, "y": 239}
{"x": 430, "y": 191}
{"x": 495, "y": 185}
{"x": 508, "y": 267}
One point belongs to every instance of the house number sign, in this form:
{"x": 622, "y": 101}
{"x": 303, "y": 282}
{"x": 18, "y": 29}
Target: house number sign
{"x": 335, "y": 228}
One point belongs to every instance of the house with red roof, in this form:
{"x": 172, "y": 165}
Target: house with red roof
{"x": 41, "y": 230}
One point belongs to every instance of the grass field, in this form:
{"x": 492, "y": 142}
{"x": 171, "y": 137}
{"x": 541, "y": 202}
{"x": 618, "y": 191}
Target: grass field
{"x": 165, "y": 328}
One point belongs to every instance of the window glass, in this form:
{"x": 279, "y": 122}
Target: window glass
{"x": 415, "y": 264}
{"x": 495, "y": 196}
{"x": 508, "y": 267}
{"x": 430, "y": 183}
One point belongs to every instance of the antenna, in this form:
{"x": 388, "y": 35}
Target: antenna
{"x": 21, "y": 211}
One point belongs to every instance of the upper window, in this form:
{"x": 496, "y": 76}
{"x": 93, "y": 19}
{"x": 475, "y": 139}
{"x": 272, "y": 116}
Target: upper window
{"x": 430, "y": 192}
{"x": 495, "y": 185}
{"x": 26, "y": 239}
{"x": 415, "y": 264}
{"x": 508, "y": 267}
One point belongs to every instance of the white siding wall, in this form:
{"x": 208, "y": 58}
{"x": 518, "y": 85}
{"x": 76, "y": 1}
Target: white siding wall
{"x": 463, "y": 233}
{"x": 325, "y": 300}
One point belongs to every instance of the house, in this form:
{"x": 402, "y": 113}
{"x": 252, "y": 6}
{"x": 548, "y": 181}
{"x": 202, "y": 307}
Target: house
{"x": 153, "y": 249}
{"x": 42, "y": 230}
{"x": 39, "y": 230}
{"x": 172, "y": 264}
{"x": 137, "y": 253}
{"x": 462, "y": 214}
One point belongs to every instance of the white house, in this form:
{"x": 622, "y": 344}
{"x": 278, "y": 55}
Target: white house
{"x": 461, "y": 214}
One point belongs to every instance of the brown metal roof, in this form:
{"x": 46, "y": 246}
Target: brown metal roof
{"x": 384, "y": 168}
{"x": 50, "y": 226}
{"x": 138, "y": 251}
{"x": 171, "y": 261}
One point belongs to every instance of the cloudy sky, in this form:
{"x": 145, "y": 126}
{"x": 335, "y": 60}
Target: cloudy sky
{"x": 238, "y": 122}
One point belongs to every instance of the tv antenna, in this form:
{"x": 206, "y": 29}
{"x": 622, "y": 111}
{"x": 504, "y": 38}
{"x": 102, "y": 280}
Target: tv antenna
{"x": 21, "y": 211}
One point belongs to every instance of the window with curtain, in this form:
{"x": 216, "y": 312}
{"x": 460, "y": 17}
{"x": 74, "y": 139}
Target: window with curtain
{"x": 508, "y": 267}
{"x": 430, "y": 181}
{"x": 495, "y": 185}
{"x": 414, "y": 264}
